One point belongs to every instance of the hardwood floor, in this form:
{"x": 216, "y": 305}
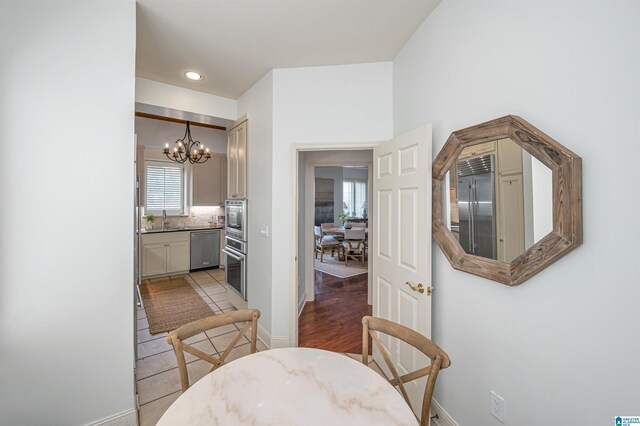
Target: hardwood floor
{"x": 333, "y": 321}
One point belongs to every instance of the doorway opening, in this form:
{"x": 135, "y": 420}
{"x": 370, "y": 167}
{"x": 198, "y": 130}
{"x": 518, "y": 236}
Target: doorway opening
{"x": 333, "y": 270}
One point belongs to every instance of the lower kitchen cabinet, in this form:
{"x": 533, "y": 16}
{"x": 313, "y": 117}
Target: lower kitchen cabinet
{"x": 178, "y": 257}
{"x": 165, "y": 253}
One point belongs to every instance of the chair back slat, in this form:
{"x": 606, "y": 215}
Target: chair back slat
{"x": 176, "y": 338}
{"x": 354, "y": 234}
{"x": 439, "y": 358}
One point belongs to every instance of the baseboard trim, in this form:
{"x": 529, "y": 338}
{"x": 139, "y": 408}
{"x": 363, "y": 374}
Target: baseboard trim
{"x": 279, "y": 342}
{"x": 301, "y": 303}
{"x": 264, "y": 336}
{"x": 444, "y": 419}
{"x": 125, "y": 418}
{"x": 272, "y": 342}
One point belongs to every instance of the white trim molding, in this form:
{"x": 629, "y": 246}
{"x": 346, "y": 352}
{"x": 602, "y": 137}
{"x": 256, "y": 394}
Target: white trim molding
{"x": 444, "y": 419}
{"x": 125, "y": 418}
{"x": 301, "y": 303}
{"x": 272, "y": 342}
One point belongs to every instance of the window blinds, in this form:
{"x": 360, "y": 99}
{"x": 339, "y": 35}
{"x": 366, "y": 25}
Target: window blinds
{"x": 164, "y": 188}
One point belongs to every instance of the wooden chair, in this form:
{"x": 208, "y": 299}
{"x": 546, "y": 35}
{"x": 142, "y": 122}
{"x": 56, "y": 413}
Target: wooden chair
{"x": 177, "y": 337}
{"x": 439, "y": 358}
{"x": 355, "y": 225}
{"x": 354, "y": 245}
{"x": 325, "y": 228}
{"x": 325, "y": 243}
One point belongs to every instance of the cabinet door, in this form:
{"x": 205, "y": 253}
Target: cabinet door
{"x": 510, "y": 218}
{"x": 479, "y": 149}
{"x": 232, "y": 163}
{"x": 509, "y": 157}
{"x": 154, "y": 259}
{"x": 178, "y": 256}
{"x": 206, "y": 183}
{"x": 241, "y": 150}
{"x": 223, "y": 180}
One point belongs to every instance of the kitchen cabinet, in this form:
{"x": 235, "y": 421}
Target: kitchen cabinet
{"x": 165, "y": 253}
{"x": 154, "y": 259}
{"x": 510, "y": 218}
{"x": 237, "y": 161}
{"x": 509, "y": 157}
{"x": 479, "y": 149}
{"x": 210, "y": 182}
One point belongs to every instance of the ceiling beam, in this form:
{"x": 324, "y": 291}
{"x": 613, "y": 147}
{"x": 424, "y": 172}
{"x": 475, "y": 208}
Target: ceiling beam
{"x": 177, "y": 120}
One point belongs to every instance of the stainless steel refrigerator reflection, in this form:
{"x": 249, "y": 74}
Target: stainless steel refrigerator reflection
{"x": 476, "y": 204}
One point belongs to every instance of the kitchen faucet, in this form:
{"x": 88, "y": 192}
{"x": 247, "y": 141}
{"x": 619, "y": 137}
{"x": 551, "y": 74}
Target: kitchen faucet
{"x": 164, "y": 216}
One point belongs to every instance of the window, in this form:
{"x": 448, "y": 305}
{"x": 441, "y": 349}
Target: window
{"x": 354, "y": 197}
{"x": 164, "y": 188}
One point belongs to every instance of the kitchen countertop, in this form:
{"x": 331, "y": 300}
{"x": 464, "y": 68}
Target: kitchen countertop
{"x": 182, "y": 229}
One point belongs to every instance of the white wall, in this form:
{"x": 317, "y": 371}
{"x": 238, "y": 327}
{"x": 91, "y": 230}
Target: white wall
{"x": 257, "y": 103}
{"x": 166, "y": 95}
{"x": 542, "y": 196}
{"x": 155, "y": 133}
{"x": 563, "y": 347}
{"x": 323, "y": 105}
{"x": 66, "y": 285}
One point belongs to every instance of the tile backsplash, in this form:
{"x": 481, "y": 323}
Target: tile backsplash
{"x": 198, "y": 216}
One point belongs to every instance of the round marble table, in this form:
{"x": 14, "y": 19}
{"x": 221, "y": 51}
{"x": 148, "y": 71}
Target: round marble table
{"x": 291, "y": 386}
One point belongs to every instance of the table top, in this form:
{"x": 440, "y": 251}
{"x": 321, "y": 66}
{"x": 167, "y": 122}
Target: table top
{"x": 340, "y": 230}
{"x": 291, "y": 386}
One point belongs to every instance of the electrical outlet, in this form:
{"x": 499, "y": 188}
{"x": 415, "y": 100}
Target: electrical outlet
{"x": 496, "y": 407}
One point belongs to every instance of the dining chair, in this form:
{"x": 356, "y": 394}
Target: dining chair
{"x": 439, "y": 358}
{"x": 327, "y": 230}
{"x": 356, "y": 225}
{"x": 326, "y": 243}
{"x": 354, "y": 245}
{"x": 176, "y": 338}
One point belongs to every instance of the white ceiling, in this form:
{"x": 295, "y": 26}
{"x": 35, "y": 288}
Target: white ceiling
{"x": 233, "y": 43}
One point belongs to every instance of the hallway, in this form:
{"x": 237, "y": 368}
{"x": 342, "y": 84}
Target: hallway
{"x": 333, "y": 321}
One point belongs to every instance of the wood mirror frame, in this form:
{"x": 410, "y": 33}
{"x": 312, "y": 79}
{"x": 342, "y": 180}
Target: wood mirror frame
{"x": 566, "y": 170}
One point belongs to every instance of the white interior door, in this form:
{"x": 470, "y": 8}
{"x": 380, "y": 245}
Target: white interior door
{"x": 402, "y": 246}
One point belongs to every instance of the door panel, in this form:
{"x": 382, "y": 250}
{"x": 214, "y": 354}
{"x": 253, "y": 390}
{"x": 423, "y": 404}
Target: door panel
{"x": 408, "y": 223}
{"x": 241, "y": 152}
{"x": 178, "y": 257}
{"x": 154, "y": 259}
{"x": 402, "y": 245}
{"x": 383, "y": 230}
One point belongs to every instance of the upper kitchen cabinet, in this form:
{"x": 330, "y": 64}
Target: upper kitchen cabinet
{"x": 210, "y": 182}
{"x": 237, "y": 161}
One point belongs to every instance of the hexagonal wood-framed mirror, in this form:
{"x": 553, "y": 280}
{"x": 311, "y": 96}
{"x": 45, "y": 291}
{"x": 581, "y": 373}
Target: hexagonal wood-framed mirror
{"x": 507, "y": 200}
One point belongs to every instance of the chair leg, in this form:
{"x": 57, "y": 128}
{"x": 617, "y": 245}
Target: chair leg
{"x": 321, "y": 254}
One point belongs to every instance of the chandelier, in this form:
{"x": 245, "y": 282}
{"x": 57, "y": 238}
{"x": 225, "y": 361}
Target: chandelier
{"x": 186, "y": 149}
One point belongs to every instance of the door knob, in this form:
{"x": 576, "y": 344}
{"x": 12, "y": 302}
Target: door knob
{"x": 419, "y": 288}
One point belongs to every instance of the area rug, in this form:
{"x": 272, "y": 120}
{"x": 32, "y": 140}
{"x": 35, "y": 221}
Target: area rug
{"x": 170, "y": 303}
{"x": 334, "y": 267}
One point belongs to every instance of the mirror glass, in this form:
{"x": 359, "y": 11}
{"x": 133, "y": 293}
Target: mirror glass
{"x": 498, "y": 200}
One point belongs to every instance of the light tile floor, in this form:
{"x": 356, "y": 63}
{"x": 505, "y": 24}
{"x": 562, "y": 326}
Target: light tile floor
{"x": 157, "y": 376}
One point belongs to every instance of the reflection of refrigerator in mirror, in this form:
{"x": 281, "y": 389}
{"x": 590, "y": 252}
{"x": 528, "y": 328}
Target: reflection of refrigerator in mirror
{"x": 476, "y": 206}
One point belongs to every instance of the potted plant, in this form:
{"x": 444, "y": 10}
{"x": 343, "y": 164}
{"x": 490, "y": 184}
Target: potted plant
{"x": 344, "y": 217}
{"x": 149, "y": 217}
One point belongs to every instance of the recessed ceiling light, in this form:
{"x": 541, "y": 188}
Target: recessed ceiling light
{"x": 192, "y": 75}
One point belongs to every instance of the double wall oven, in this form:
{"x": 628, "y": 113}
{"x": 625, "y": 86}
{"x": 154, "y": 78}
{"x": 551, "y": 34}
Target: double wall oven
{"x": 236, "y": 245}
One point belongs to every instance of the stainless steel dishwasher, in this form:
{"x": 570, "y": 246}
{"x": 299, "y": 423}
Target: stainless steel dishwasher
{"x": 205, "y": 249}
